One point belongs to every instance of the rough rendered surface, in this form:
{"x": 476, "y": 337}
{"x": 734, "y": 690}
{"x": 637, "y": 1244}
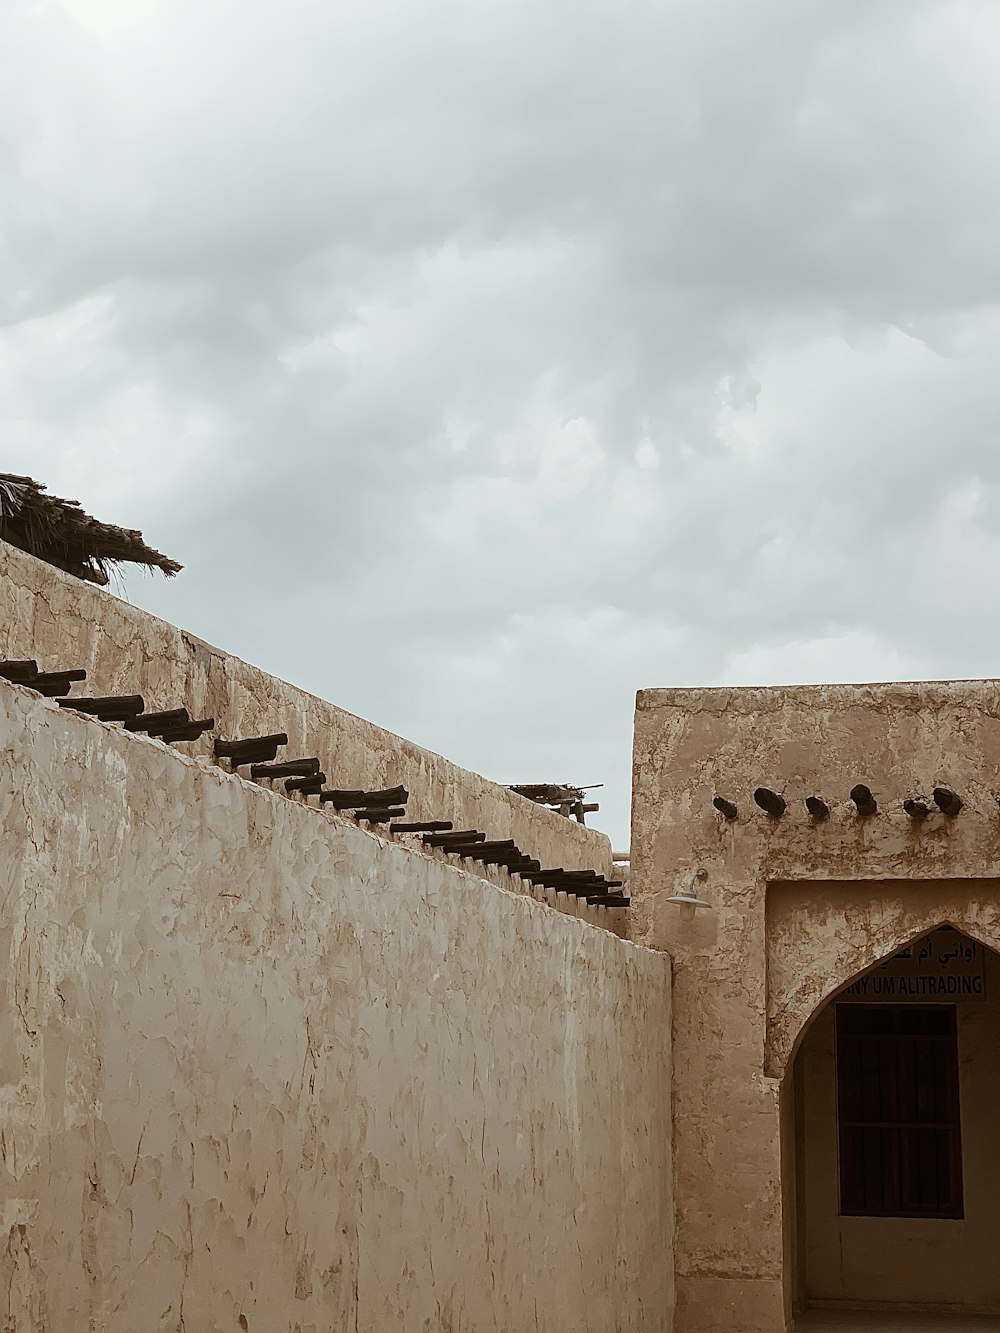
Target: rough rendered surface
{"x": 935, "y": 1262}
{"x": 63, "y": 622}
{"x": 799, "y": 907}
{"x": 262, "y": 1070}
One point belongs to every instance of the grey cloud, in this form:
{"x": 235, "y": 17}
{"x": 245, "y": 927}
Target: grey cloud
{"x": 484, "y": 363}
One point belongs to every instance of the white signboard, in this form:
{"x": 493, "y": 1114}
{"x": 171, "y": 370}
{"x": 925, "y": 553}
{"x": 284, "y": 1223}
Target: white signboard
{"x": 945, "y": 965}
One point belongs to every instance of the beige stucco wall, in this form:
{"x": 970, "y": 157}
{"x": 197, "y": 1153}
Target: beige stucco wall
{"x": 852, "y": 894}
{"x": 880, "y": 1260}
{"x": 820, "y": 934}
{"x": 260, "y": 1069}
{"x": 63, "y": 622}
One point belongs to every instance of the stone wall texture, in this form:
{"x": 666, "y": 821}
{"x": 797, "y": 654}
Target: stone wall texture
{"x": 798, "y": 907}
{"x": 63, "y": 622}
{"x": 263, "y": 1070}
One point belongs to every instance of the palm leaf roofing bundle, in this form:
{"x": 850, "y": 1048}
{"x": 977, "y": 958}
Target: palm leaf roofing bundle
{"x": 59, "y": 532}
{"x": 552, "y": 793}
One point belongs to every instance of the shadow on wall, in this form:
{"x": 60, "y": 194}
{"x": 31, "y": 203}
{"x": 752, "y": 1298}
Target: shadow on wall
{"x": 892, "y": 1180}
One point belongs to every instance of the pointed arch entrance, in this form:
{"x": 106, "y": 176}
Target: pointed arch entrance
{"x": 891, "y": 1089}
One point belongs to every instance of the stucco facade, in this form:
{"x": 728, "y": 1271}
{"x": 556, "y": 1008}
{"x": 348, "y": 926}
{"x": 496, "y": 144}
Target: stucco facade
{"x": 232, "y": 1017}
{"x": 261, "y": 1069}
{"x": 938, "y": 1263}
{"x": 62, "y": 622}
{"x": 799, "y": 906}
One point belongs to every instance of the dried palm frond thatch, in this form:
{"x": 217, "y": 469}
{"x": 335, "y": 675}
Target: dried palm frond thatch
{"x": 559, "y": 796}
{"x": 59, "y": 532}
{"x": 552, "y": 793}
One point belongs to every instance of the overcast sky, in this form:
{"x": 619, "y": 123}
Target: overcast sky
{"x": 486, "y": 360}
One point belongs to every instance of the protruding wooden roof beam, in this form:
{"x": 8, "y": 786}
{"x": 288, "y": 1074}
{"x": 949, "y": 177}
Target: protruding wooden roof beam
{"x": 445, "y": 839}
{"x": 599, "y": 886}
{"x": 864, "y": 801}
{"x": 381, "y": 816}
{"x": 508, "y": 860}
{"x": 50, "y": 683}
{"x": 947, "y": 801}
{"x": 192, "y": 731}
{"x": 55, "y": 684}
{"x": 479, "y": 846}
{"x": 18, "y": 672}
{"x": 252, "y": 750}
{"x": 308, "y": 786}
{"x": 285, "y": 768}
{"x": 579, "y": 884}
{"x": 109, "y": 708}
{"x": 557, "y": 872}
{"x": 770, "y": 802}
{"x": 169, "y": 719}
{"x": 357, "y": 800}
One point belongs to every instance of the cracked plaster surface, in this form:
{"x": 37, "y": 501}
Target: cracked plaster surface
{"x": 63, "y": 622}
{"x": 262, "y": 1070}
{"x": 798, "y": 907}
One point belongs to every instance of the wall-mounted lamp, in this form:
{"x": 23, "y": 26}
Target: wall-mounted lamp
{"x": 686, "y": 898}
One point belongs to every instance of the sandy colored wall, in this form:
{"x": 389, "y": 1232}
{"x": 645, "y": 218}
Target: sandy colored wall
{"x": 930, "y": 1262}
{"x": 262, "y": 1070}
{"x": 734, "y": 1028}
{"x": 63, "y": 622}
{"x": 821, "y": 933}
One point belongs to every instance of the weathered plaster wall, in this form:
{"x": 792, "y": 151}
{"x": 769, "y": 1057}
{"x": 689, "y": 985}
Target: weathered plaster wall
{"x": 260, "y": 1069}
{"x": 820, "y": 935}
{"x": 951, "y": 1264}
{"x": 735, "y": 1243}
{"x": 61, "y": 622}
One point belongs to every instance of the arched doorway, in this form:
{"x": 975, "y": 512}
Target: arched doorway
{"x": 893, "y": 1140}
